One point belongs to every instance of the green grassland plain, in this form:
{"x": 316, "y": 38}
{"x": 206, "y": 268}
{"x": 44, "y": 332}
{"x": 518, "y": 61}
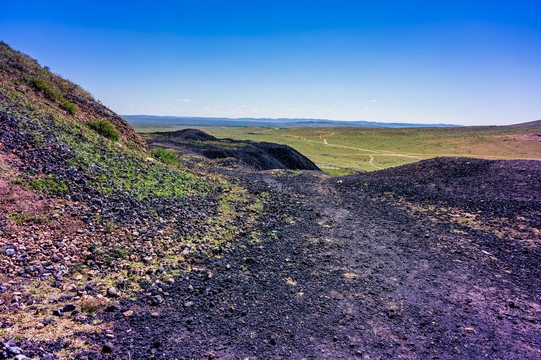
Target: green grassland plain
{"x": 369, "y": 149}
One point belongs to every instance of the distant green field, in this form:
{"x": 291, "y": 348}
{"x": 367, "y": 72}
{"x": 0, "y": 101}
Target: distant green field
{"x": 371, "y": 149}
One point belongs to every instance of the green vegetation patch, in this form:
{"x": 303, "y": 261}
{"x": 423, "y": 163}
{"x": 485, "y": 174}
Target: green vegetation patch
{"x": 49, "y": 90}
{"x": 46, "y": 88}
{"x": 341, "y": 172}
{"x": 26, "y": 217}
{"x": 47, "y": 184}
{"x": 69, "y": 106}
{"x": 105, "y": 128}
{"x": 166, "y": 156}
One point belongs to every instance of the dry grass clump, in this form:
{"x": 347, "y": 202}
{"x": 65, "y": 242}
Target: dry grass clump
{"x": 93, "y": 304}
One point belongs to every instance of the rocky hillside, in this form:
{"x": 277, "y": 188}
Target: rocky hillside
{"x": 88, "y": 217}
{"x": 256, "y": 155}
{"x": 110, "y": 250}
{"x": 24, "y": 81}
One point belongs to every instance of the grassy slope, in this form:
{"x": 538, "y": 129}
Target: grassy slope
{"x": 354, "y": 147}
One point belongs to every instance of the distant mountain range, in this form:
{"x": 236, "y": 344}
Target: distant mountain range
{"x": 142, "y": 122}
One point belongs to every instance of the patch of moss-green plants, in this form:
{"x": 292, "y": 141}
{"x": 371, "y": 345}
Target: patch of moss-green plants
{"x": 47, "y": 184}
{"x": 26, "y": 217}
{"x": 105, "y": 128}
{"x": 69, "y": 106}
{"x": 166, "y": 156}
{"x": 46, "y": 88}
{"x": 109, "y": 227}
{"x": 341, "y": 171}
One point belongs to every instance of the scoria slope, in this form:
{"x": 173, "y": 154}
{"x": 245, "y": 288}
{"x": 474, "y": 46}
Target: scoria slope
{"x": 108, "y": 251}
{"x": 25, "y": 81}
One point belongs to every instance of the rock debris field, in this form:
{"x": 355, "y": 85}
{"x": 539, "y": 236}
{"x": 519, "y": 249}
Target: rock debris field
{"x": 433, "y": 260}
{"x": 395, "y": 264}
{"x": 113, "y": 247}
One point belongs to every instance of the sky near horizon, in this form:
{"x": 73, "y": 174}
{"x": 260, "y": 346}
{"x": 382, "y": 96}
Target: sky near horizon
{"x": 455, "y": 62}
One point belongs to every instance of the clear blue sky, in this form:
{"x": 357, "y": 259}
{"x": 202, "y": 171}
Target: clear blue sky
{"x": 463, "y": 62}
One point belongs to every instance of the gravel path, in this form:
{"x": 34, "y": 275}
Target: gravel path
{"x": 350, "y": 270}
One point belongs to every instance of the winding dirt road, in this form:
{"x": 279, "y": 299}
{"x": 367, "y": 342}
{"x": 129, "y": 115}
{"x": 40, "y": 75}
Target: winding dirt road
{"x": 409, "y": 155}
{"x": 371, "y": 162}
{"x": 371, "y": 156}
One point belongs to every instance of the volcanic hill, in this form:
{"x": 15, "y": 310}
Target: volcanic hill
{"x": 111, "y": 249}
{"x": 256, "y": 155}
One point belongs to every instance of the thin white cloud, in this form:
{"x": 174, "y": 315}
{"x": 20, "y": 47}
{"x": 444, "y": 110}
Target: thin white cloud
{"x": 184, "y": 100}
{"x": 373, "y": 101}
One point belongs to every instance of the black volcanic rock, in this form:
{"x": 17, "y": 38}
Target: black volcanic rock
{"x": 286, "y": 155}
{"x": 263, "y": 156}
{"x": 191, "y": 134}
{"x": 468, "y": 183}
{"x": 257, "y": 155}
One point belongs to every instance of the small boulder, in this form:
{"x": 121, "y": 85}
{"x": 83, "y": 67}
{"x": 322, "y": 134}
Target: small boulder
{"x": 107, "y": 348}
{"x": 68, "y": 307}
{"x": 21, "y": 357}
{"x": 112, "y": 292}
{"x": 156, "y": 300}
{"x": 12, "y": 349}
{"x": 112, "y": 308}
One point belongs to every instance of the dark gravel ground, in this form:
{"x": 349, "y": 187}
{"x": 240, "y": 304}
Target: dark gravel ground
{"x": 433, "y": 260}
{"x": 350, "y": 271}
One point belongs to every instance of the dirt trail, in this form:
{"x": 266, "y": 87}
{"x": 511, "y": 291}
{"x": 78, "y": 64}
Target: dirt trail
{"x": 344, "y": 275}
{"x": 381, "y": 152}
{"x": 417, "y": 156}
{"x": 371, "y": 162}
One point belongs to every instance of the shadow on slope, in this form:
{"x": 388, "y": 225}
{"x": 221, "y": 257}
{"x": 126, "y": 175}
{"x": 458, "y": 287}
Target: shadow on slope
{"x": 257, "y": 155}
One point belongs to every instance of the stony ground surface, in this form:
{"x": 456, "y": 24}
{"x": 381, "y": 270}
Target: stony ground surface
{"x": 434, "y": 260}
{"x": 107, "y": 254}
{"x": 355, "y": 269}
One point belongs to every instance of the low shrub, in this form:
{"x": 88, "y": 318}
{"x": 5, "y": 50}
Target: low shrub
{"x": 92, "y": 304}
{"x": 51, "y": 93}
{"x": 105, "y": 128}
{"x": 165, "y": 155}
{"x": 46, "y": 88}
{"x": 69, "y": 106}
